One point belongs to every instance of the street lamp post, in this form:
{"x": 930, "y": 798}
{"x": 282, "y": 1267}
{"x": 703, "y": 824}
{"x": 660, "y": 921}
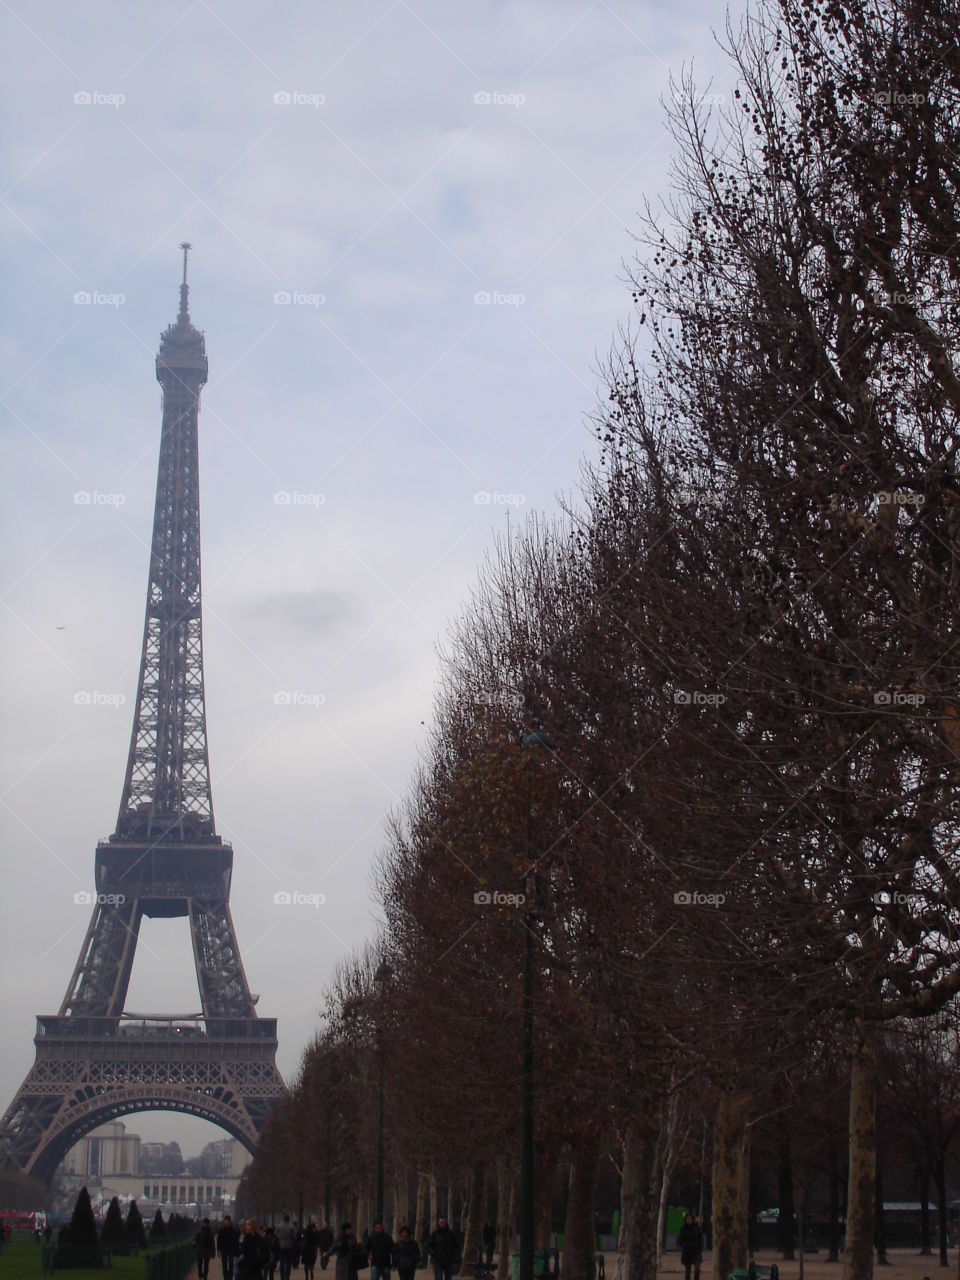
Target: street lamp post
{"x": 383, "y": 972}
{"x": 530, "y": 742}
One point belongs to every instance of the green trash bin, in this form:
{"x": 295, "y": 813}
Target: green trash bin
{"x": 541, "y": 1264}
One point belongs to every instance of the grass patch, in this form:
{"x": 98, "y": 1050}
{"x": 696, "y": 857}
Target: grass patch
{"x": 22, "y": 1260}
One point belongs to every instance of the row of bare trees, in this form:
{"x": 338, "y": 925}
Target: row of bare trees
{"x": 708, "y": 722}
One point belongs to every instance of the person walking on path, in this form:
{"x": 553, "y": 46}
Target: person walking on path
{"x": 228, "y": 1242}
{"x": 253, "y": 1253}
{"x": 380, "y": 1253}
{"x": 287, "y": 1239}
{"x": 406, "y": 1255}
{"x": 206, "y": 1246}
{"x": 272, "y": 1247}
{"x": 347, "y": 1252}
{"x": 325, "y": 1243}
{"x": 690, "y": 1244}
{"x": 443, "y": 1248}
{"x": 489, "y": 1238}
{"x": 309, "y": 1249}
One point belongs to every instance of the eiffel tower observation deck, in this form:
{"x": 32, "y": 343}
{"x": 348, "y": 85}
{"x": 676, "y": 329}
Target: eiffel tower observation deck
{"x": 95, "y": 1061}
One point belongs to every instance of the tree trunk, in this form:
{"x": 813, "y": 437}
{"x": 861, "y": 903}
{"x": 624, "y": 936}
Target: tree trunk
{"x": 434, "y": 1205}
{"x": 863, "y": 1152}
{"x": 420, "y": 1231}
{"x": 476, "y": 1204}
{"x": 637, "y": 1242}
{"x": 940, "y": 1173}
{"x": 402, "y": 1214}
{"x": 545, "y": 1166}
{"x": 834, "y": 1254}
{"x": 925, "y": 1246}
{"x": 505, "y": 1210}
{"x": 450, "y": 1217}
{"x": 578, "y": 1236}
{"x": 731, "y": 1174}
{"x": 785, "y": 1234}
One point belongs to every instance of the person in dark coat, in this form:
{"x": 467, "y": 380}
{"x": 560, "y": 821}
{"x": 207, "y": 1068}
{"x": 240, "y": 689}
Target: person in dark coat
{"x": 380, "y": 1252}
{"x": 253, "y": 1253}
{"x": 489, "y": 1238}
{"x": 346, "y": 1251}
{"x": 272, "y": 1245}
{"x": 406, "y": 1255}
{"x": 690, "y": 1244}
{"x": 309, "y": 1249}
{"x": 228, "y": 1242}
{"x": 443, "y": 1248}
{"x": 206, "y": 1246}
{"x": 325, "y": 1243}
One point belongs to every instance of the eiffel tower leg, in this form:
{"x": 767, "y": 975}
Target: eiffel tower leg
{"x": 223, "y": 984}
{"x": 102, "y": 973}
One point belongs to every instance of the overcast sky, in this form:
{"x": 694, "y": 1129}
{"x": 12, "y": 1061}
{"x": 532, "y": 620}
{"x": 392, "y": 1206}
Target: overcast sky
{"x": 409, "y": 221}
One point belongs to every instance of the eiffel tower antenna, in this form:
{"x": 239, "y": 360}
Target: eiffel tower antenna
{"x": 94, "y": 1061}
{"x": 184, "y": 316}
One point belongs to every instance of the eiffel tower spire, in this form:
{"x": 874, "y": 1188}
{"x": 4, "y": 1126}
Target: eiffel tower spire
{"x": 94, "y": 1061}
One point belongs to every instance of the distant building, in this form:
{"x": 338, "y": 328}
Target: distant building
{"x": 111, "y": 1162}
{"x": 104, "y": 1152}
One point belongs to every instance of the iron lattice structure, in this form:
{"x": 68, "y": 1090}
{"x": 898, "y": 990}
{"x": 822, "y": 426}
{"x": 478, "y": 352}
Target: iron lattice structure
{"x": 94, "y": 1062}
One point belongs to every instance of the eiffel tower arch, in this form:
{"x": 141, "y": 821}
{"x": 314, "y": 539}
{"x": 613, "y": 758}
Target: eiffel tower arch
{"x": 94, "y": 1061}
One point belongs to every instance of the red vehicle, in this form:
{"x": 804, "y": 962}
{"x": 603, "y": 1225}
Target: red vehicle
{"x": 17, "y": 1220}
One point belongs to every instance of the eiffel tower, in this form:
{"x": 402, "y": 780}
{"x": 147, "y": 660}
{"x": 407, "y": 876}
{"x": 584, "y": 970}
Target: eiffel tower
{"x": 94, "y": 1062}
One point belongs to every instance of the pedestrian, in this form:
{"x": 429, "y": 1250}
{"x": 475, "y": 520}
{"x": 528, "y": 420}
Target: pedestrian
{"x": 443, "y": 1248}
{"x": 380, "y": 1253}
{"x": 690, "y": 1243}
{"x": 406, "y": 1255}
{"x": 489, "y": 1238}
{"x": 206, "y": 1247}
{"x": 325, "y": 1243}
{"x": 228, "y": 1243}
{"x": 287, "y": 1239}
{"x": 273, "y": 1252}
{"x": 309, "y": 1249}
{"x": 348, "y": 1253}
{"x": 252, "y": 1254}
